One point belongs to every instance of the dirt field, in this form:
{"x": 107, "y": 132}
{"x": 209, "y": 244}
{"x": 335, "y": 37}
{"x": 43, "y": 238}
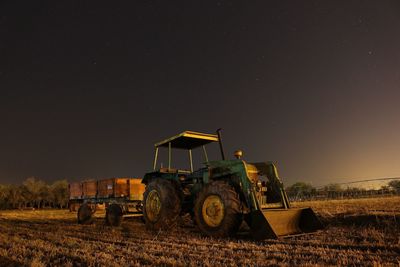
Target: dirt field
{"x": 362, "y": 232}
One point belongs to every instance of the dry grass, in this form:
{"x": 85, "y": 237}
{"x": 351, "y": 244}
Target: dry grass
{"x": 361, "y": 232}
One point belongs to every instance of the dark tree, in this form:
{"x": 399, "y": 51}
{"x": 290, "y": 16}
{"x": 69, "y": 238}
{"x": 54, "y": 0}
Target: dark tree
{"x": 35, "y": 191}
{"x": 300, "y": 190}
{"x": 59, "y": 193}
{"x": 395, "y": 185}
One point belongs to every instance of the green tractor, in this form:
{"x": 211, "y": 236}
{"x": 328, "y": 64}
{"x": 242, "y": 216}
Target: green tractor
{"x": 222, "y": 194}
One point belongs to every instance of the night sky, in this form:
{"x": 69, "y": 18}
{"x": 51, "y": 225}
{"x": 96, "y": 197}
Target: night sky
{"x": 87, "y": 88}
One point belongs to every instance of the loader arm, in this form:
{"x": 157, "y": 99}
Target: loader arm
{"x": 269, "y": 170}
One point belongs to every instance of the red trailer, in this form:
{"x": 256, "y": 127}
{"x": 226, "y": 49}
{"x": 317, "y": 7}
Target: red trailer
{"x": 120, "y": 197}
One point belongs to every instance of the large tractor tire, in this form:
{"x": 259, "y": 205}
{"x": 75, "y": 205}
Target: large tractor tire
{"x": 114, "y": 215}
{"x": 218, "y": 210}
{"x": 161, "y": 204}
{"x": 85, "y": 213}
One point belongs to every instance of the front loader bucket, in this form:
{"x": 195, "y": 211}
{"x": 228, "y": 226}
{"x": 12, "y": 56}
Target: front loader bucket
{"x": 274, "y": 223}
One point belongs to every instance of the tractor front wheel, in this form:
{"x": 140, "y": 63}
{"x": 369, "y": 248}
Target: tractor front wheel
{"x": 217, "y": 210}
{"x": 114, "y": 215}
{"x": 161, "y": 204}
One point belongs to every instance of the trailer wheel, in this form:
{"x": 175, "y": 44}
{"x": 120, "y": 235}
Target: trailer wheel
{"x": 114, "y": 215}
{"x": 217, "y": 210}
{"x": 85, "y": 213}
{"x": 161, "y": 204}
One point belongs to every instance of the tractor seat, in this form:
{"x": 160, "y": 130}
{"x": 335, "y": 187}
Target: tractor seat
{"x": 172, "y": 170}
{"x": 184, "y": 171}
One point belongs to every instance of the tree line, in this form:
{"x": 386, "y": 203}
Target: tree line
{"x": 301, "y": 190}
{"x": 34, "y": 193}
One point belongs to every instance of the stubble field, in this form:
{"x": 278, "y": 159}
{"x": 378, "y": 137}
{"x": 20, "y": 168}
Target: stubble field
{"x": 364, "y": 232}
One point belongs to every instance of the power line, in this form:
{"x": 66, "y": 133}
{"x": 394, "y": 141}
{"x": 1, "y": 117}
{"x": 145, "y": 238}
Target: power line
{"x": 370, "y": 180}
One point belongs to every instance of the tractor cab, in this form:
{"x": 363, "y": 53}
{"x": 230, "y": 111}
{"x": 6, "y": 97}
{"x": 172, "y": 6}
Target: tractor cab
{"x": 187, "y": 179}
{"x": 188, "y": 141}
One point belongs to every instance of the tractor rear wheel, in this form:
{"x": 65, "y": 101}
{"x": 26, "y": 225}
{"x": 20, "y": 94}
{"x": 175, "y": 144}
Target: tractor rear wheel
{"x": 218, "y": 210}
{"x": 161, "y": 204}
{"x": 114, "y": 215}
{"x": 85, "y": 213}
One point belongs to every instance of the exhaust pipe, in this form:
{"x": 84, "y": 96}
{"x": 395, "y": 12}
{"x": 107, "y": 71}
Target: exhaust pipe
{"x": 220, "y": 143}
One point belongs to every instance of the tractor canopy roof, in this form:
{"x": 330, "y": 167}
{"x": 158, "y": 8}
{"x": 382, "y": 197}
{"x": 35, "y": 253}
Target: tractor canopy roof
{"x": 188, "y": 140}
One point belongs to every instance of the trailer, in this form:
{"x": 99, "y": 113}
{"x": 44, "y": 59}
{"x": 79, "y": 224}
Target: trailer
{"x": 120, "y": 197}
